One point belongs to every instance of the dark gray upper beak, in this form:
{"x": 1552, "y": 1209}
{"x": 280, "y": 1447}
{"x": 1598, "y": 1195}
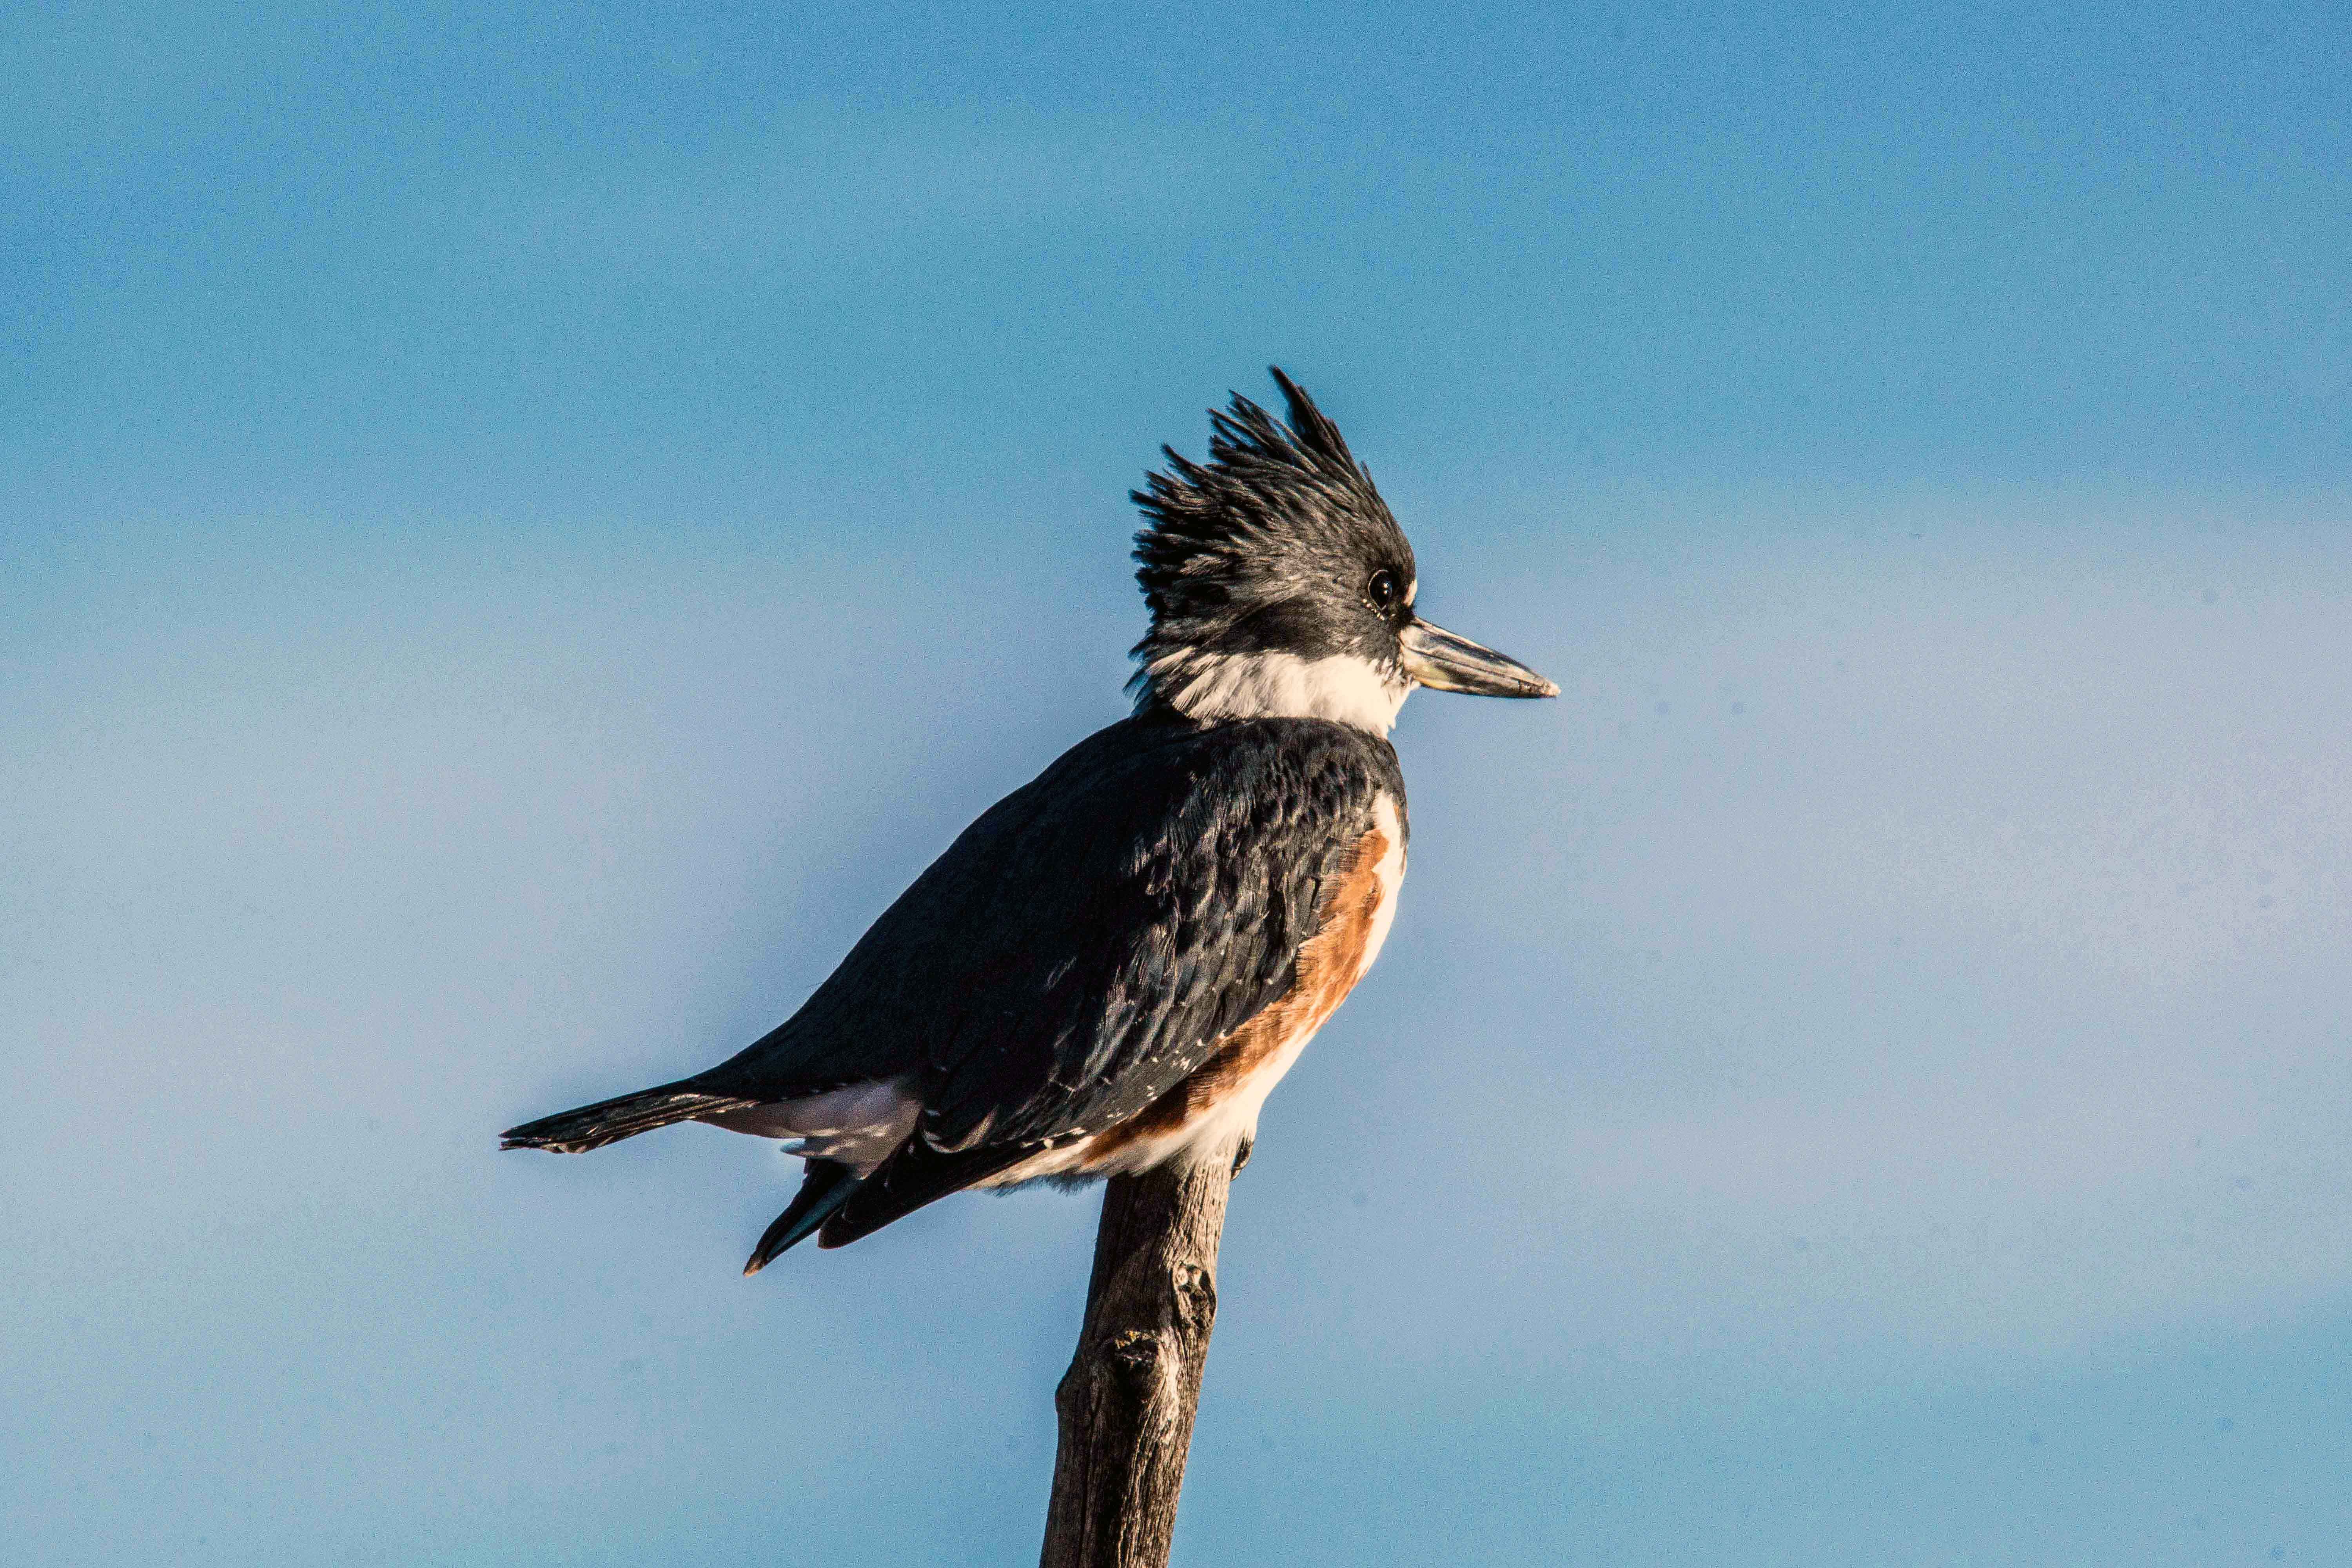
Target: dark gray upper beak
{"x": 1444, "y": 662}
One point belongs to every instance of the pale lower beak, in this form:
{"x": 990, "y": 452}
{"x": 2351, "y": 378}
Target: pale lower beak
{"x": 1444, "y": 662}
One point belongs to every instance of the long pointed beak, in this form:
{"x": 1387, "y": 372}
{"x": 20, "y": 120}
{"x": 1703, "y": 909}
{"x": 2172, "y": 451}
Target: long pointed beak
{"x": 1437, "y": 658}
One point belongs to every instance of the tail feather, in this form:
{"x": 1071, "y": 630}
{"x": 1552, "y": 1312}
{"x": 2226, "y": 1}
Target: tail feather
{"x": 915, "y": 1175}
{"x": 824, "y": 1188}
{"x": 610, "y": 1121}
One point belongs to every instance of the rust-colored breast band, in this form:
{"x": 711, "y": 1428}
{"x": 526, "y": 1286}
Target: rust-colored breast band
{"x": 1329, "y": 962}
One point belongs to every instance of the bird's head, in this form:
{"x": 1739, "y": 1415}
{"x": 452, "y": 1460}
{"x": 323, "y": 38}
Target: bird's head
{"x": 1280, "y": 585}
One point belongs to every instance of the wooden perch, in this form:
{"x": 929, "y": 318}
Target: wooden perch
{"x": 1128, "y": 1401}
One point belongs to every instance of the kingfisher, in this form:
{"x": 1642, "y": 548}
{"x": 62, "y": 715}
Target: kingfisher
{"x": 1115, "y": 965}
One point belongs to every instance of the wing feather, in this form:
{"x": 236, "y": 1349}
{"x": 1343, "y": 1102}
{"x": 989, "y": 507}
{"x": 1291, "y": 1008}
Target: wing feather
{"x": 1082, "y": 946}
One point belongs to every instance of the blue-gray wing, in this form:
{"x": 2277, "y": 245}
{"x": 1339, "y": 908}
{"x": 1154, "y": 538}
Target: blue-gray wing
{"x": 1083, "y": 947}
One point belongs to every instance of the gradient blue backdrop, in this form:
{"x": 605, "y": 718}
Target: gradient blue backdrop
{"x": 521, "y": 527}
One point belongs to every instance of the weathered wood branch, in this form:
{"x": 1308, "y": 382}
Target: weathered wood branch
{"x": 1128, "y": 1401}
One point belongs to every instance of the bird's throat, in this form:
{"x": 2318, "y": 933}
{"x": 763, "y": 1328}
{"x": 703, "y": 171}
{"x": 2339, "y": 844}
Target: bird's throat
{"x": 1343, "y": 688}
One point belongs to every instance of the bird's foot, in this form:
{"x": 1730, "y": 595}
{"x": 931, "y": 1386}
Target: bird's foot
{"x": 1242, "y": 1153}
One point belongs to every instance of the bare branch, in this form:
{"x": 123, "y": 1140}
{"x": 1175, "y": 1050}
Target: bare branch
{"x": 1128, "y": 1401}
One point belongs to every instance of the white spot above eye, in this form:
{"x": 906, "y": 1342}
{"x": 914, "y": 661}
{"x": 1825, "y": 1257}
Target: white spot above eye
{"x": 1344, "y": 687}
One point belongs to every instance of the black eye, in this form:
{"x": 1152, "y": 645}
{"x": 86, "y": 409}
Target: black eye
{"x": 1382, "y": 590}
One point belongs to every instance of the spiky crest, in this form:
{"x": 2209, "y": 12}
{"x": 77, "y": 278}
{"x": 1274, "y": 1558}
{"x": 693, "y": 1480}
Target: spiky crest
{"x": 1231, "y": 551}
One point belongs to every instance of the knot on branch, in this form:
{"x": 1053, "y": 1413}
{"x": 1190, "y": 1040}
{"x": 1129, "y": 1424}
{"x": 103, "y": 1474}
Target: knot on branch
{"x": 1136, "y": 1354}
{"x": 1196, "y": 1296}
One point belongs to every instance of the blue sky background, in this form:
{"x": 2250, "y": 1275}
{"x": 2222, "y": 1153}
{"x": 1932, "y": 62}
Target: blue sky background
{"x": 521, "y": 528}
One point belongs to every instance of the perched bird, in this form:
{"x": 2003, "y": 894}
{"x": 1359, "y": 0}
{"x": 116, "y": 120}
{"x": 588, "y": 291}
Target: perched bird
{"x": 1114, "y": 966}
